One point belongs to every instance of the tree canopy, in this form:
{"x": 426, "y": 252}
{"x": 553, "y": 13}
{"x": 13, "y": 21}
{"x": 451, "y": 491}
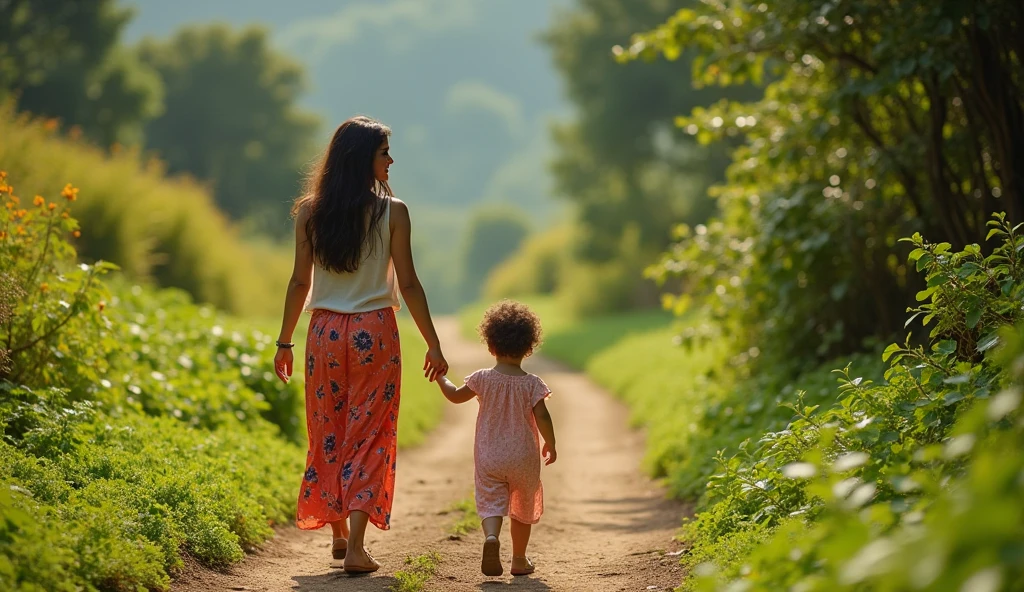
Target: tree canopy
{"x": 883, "y": 119}
{"x": 231, "y": 118}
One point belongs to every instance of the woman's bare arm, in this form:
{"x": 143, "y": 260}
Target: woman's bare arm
{"x": 295, "y": 297}
{"x": 412, "y": 290}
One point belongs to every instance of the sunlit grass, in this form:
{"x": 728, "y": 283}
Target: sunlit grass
{"x": 467, "y": 519}
{"x": 419, "y": 571}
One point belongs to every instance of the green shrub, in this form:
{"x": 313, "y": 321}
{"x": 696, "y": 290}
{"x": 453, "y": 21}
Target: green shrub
{"x": 913, "y": 483}
{"x": 153, "y": 227}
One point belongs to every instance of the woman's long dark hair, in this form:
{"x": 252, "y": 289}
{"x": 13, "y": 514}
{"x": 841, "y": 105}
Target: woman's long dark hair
{"x": 345, "y": 201}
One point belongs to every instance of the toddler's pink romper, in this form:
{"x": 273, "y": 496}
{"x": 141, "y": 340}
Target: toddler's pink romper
{"x": 507, "y": 449}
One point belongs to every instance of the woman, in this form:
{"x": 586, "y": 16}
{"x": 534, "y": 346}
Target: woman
{"x": 352, "y": 245}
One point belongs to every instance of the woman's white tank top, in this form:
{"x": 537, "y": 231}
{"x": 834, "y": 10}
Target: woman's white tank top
{"x": 370, "y": 287}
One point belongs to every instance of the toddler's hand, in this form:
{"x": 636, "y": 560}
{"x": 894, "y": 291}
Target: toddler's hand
{"x": 549, "y": 453}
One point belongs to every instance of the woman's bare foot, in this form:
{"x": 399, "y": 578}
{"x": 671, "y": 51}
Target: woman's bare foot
{"x": 522, "y": 566}
{"x": 339, "y": 547}
{"x": 360, "y": 563}
{"x": 490, "y": 564}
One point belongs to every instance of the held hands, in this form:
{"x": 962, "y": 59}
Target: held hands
{"x": 549, "y": 453}
{"x": 434, "y": 365}
{"x": 283, "y": 363}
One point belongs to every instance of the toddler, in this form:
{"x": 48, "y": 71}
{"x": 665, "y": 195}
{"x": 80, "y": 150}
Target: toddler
{"x": 507, "y": 452}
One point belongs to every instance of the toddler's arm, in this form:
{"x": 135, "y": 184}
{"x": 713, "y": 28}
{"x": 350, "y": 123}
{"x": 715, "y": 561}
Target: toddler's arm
{"x": 547, "y": 431}
{"x": 453, "y": 394}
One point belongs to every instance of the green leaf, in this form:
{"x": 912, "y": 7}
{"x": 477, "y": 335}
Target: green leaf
{"x": 945, "y": 347}
{"x": 968, "y": 269}
{"x": 924, "y": 261}
{"x": 993, "y": 232}
{"x": 988, "y": 342}
{"x": 973, "y": 316}
{"x": 889, "y": 351}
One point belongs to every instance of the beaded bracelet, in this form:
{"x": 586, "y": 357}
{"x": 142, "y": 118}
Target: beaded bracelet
{"x": 285, "y": 345}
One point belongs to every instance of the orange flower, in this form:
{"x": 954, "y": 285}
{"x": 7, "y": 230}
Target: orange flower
{"x": 50, "y": 125}
{"x": 3, "y": 175}
{"x": 52, "y": 206}
{"x": 21, "y": 213}
{"x": 3, "y": 235}
{"x": 76, "y": 234}
{"x": 71, "y": 193}
{"x": 44, "y": 287}
{"x": 14, "y": 198}
{"x": 38, "y": 201}
{"x": 65, "y": 215}
{"x": 102, "y": 304}
{"x": 19, "y": 230}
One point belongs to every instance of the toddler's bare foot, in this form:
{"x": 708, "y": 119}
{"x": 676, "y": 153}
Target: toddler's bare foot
{"x": 522, "y": 566}
{"x": 491, "y": 562}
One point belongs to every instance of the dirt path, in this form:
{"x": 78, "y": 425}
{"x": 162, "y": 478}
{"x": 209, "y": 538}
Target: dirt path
{"x": 606, "y": 527}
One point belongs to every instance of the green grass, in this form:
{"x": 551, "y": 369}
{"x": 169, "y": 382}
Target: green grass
{"x": 415, "y": 577}
{"x": 467, "y": 520}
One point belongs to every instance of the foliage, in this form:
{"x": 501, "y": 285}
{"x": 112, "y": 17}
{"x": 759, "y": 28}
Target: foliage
{"x": 153, "y": 228}
{"x": 918, "y": 471}
{"x": 47, "y": 295}
{"x": 130, "y": 427}
{"x": 63, "y": 59}
{"x": 115, "y": 501}
{"x": 884, "y": 119}
{"x": 231, "y": 117}
{"x": 494, "y": 234}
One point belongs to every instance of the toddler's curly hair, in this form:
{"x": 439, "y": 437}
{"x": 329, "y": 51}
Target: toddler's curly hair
{"x": 510, "y": 329}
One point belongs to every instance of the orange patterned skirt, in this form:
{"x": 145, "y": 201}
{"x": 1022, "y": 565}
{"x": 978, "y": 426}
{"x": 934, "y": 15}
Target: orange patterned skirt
{"x": 353, "y": 379}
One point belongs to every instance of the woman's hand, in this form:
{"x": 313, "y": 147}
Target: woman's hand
{"x": 434, "y": 365}
{"x": 283, "y": 362}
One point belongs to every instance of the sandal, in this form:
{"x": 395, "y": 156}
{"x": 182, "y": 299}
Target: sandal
{"x": 523, "y": 571}
{"x": 491, "y": 562}
{"x": 339, "y": 548}
{"x": 354, "y": 569}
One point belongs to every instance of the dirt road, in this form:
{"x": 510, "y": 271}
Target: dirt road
{"x": 606, "y": 527}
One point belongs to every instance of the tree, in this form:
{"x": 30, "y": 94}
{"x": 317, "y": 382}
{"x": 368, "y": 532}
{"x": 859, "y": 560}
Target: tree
{"x": 493, "y": 235}
{"x": 622, "y": 161}
{"x": 62, "y": 59}
{"x": 885, "y": 119}
{"x": 231, "y": 117}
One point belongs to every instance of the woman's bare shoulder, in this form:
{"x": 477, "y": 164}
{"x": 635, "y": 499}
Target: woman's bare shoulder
{"x": 399, "y": 209}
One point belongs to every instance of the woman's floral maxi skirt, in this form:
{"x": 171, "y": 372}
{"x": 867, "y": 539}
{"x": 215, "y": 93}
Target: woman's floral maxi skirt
{"x": 353, "y": 379}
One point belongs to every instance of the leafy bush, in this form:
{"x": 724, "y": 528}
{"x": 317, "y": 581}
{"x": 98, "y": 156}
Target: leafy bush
{"x": 130, "y": 422}
{"x": 154, "y": 228}
{"x": 909, "y": 484}
{"x": 878, "y": 122}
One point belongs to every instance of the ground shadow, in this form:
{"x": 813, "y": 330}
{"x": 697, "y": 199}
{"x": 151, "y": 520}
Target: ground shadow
{"x": 339, "y": 581}
{"x": 518, "y": 582}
